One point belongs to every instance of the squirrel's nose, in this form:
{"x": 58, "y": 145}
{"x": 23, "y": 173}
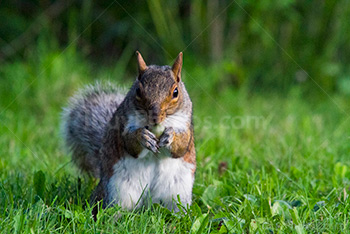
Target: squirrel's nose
{"x": 155, "y": 115}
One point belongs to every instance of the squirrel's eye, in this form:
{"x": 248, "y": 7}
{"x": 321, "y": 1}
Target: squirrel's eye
{"x": 175, "y": 93}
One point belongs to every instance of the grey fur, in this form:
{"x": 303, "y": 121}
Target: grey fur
{"x": 84, "y": 121}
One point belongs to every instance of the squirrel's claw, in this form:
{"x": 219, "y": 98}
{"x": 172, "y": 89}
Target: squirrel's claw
{"x": 153, "y": 147}
{"x": 167, "y": 137}
{"x": 149, "y": 140}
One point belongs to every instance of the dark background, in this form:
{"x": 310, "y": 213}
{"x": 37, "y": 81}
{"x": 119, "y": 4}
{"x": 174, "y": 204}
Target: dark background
{"x": 261, "y": 45}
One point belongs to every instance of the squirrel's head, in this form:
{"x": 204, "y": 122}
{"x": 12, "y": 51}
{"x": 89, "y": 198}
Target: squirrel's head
{"x": 158, "y": 89}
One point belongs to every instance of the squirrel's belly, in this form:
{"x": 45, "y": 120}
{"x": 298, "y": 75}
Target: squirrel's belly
{"x": 174, "y": 178}
{"x": 131, "y": 180}
{"x": 160, "y": 176}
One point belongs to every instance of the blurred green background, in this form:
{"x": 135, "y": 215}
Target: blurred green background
{"x": 261, "y": 45}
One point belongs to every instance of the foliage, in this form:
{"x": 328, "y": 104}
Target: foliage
{"x": 266, "y": 44}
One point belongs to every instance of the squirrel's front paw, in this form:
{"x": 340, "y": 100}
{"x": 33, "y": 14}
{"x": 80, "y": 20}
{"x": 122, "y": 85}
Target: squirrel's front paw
{"x": 149, "y": 140}
{"x": 167, "y": 137}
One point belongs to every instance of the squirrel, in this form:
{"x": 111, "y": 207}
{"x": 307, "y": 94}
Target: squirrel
{"x": 139, "y": 144}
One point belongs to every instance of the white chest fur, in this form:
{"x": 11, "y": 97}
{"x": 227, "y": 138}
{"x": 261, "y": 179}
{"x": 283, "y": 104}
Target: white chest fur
{"x": 156, "y": 178}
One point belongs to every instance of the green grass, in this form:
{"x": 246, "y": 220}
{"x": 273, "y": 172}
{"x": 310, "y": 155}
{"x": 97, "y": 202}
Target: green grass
{"x": 267, "y": 163}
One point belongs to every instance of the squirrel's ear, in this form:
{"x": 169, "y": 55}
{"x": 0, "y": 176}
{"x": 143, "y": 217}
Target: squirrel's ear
{"x": 141, "y": 64}
{"x": 177, "y": 66}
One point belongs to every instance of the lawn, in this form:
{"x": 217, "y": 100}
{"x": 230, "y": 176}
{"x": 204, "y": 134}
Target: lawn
{"x": 267, "y": 162}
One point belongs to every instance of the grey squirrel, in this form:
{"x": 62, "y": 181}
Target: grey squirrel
{"x": 139, "y": 144}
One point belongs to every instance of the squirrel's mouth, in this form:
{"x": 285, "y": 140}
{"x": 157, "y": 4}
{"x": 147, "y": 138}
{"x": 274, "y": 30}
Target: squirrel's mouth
{"x": 154, "y": 120}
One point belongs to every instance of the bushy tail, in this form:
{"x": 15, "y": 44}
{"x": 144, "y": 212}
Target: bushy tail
{"x": 84, "y": 121}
